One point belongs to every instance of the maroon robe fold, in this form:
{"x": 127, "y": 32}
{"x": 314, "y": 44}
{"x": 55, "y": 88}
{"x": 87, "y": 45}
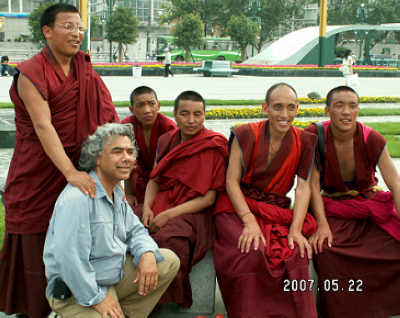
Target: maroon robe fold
{"x": 362, "y": 253}
{"x": 253, "y": 284}
{"x": 145, "y": 161}
{"x": 78, "y": 103}
{"x": 188, "y": 170}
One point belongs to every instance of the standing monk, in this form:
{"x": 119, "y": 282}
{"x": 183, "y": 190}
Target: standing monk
{"x": 59, "y": 100}
{"x": 149, "y": 125}
{"x": 177, "y": 210}
{"x": 261, "y": 253}
{"x": 357, "y": 248}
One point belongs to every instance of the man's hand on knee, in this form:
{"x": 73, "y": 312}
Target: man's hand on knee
{"x": 147, "y": 273}
{"x": 109, "y": 307}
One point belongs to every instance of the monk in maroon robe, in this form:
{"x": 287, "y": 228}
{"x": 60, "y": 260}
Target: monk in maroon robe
{"x": 261, "y": 253}
{"x": 357, "y": 248}
{"x": 59, "y": 100}
{"x": 149, "y": 125}
{"x": 177, "y": 210}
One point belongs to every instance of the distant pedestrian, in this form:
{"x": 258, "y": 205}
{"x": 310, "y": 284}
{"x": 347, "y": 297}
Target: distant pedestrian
{"x": 167, "y": 63}
{"x": 5, "y": 67}
{"x": 153, "y": 55}
{"x": 347, "y": 65}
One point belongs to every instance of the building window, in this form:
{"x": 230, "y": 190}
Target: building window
{"x": 15, "y": 6}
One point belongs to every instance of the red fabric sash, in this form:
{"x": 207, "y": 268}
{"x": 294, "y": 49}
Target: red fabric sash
{"x": 379, "y": 209}
{"x": 78, "y": 103}
{"x": 274, "y": 222}
{"x": 189, "y": 169}
{"x": 145, "y": 162}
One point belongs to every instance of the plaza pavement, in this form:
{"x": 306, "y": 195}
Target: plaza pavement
{"x": 236, "y": 87}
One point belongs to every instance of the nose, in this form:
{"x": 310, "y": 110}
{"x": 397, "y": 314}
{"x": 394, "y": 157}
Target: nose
{"x": 191, "y": 118}
{"x": 146, "y": 108}
{"x": 346, "y": 109}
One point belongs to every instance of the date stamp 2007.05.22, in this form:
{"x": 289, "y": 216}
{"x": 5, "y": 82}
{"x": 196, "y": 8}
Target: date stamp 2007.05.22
{"x": 329, "y": 285}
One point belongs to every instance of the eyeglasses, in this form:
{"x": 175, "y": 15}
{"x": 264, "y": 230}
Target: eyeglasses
{"x": 71, "y": 27}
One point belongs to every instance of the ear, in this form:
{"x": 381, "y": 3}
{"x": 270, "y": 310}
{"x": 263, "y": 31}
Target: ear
{"x": 159, "y": 106}
{"x": 131, "y": 109}
{"x": 265, "y": 108}
{"x": 47, "y": 31}
{"x": 327, "y": 111}
{"x": 98, "y": 161}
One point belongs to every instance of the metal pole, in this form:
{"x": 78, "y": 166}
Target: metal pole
{"x": 322, "y": 32}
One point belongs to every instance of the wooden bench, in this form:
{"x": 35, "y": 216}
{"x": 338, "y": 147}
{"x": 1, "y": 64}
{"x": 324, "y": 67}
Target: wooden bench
{"x": 218, "y": 68}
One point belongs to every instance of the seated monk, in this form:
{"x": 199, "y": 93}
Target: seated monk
{"x": 261, "y": 253}
{"x": 178, "y": 205}
{"x": 149, "y": 125}
{"x": 357, "y": 248}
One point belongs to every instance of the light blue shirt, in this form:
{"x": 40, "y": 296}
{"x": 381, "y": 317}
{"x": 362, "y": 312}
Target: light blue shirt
{"x": 87, "y": 242}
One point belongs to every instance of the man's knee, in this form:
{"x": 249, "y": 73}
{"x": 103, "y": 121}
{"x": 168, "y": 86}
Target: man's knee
{"x": 170, "y": 264}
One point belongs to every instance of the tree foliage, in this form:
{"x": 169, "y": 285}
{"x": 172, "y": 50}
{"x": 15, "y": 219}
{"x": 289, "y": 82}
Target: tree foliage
{"x": 34, "y": 24}
{"x": 188, "y": 32}
{"x": 94, "y": 23}
{"x": 244, "y": 32}
{"x": 121, "y": 28}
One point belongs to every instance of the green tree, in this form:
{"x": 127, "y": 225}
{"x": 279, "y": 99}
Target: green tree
{"x": 34, "y": 24}
{"x": 121, "y": 28}
{"x": 94, "y": 24}
{"x": 273, "y": 13}
{"x": 207, "y": 9}
{"x": 244, "y": 32}
{"x": 188, "y": 32}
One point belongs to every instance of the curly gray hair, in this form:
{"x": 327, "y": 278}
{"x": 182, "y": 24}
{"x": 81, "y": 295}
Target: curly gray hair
{"x": 93, "y": 147}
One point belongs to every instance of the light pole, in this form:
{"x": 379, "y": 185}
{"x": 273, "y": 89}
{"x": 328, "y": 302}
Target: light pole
{"x": 254, "y": 7}
{"x": 361, "y": 14}
{"x": 110, "y": 4}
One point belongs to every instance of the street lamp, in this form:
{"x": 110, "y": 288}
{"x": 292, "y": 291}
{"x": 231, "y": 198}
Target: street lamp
{"x": 110, "y": 4}
{"x": 254, "y": 7}
{"x": 361, "y": 14}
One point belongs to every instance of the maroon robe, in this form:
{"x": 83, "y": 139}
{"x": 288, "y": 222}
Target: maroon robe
{"x": 188, "y": 170}
{"x": 253, "y": 284}
{"x": 363, "y": 255}
{"x": 145, "y": 161}
{"x": 79, "y": 103}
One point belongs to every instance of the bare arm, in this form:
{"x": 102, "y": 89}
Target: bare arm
{"x": 251, "y": 230}
{"x": 149, "y": 196}
{"x": 40, "y": 115}
{"x": 391, "y": 177}
{"x": 323, "y": 233}
{"x": 130, "y": 196}
{"x": 301, "y": 202}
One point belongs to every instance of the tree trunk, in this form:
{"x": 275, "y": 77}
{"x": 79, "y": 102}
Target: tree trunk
{"x": 119, "y": 52}
{"x": 187, "y": 54}
{"x": 243, "y": 54}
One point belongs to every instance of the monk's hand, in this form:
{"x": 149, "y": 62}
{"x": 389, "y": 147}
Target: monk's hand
{"x": 82, "y": 181}
{"x": 132, "y": 201}
{"x": 159, "y": 221}
{"x": 147, "y": 273}
{"x": 296, "y": 236}
{"x": 318, "y": 238}
{"x": 251, "y": 231}
{"x": 147, "y": 216}
{"x": 109, "y": 307}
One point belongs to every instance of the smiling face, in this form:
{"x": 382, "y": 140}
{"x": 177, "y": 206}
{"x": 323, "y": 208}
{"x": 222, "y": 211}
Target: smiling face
{"x": 189, "y": 117}
{"x": 281, "y": 109}
{"x": 343, "y": 111}
{"x": 116, "y": 162}
{"x": 145, "y": 107}
{"x": 63, "y": 44}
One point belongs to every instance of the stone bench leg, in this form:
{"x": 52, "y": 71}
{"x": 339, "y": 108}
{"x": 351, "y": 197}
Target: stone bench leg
{"x": 203, "y": 281}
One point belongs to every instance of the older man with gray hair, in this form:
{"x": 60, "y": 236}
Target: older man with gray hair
{"x": 100, "y": 260}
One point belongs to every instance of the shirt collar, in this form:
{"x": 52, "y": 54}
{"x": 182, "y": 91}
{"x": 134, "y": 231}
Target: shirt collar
{"x": 101, "y": 192}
